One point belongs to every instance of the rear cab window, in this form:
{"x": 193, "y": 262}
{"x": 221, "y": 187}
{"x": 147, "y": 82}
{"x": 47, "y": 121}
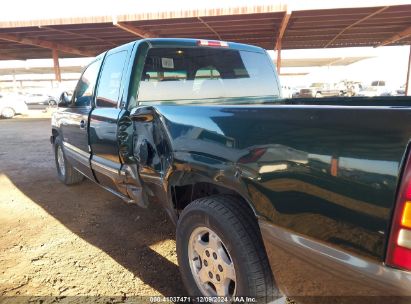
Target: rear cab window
{"x": 205, "y": 74}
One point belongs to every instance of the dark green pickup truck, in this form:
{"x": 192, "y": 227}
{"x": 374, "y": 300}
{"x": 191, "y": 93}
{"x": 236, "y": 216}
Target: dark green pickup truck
{"x": 299, "y": 197}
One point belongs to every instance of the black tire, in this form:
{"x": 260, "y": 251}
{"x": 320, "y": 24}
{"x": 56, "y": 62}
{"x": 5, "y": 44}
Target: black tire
{"x": 52, "y": 102}
{"x": 70, "y": 176}
{"x": 238, "y": 230}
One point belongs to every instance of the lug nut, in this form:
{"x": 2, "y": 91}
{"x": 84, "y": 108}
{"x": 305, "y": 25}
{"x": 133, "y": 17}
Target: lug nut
{"x": 215, "y": 256}
{"x": 205, "y": 263}
{"x": 220, "y": 268}
{"x": 210, "y": 274}
{"x": 207, "y": 253}
{"x": 217, "y": 277}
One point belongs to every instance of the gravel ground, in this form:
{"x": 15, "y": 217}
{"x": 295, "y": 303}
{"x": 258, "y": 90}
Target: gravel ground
{"x": 60, "y": 241}
{"x": 74, "y": 244}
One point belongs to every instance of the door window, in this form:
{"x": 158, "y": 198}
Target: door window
{"x": 108, "y": 91}
{"x": 85, "y": 86}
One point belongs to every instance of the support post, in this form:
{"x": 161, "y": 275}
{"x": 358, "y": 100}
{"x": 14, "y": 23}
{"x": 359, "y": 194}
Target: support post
{"x": 281, "y": 32}
{"x": 56, "y": 63}
{"x": 14, "y": 81}
{"x": 407, "y": 82}
{"x": 278, "y": 58}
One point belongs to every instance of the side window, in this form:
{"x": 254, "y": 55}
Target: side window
{"x": 85, "y": 86}
{"x": 108, "y": 90}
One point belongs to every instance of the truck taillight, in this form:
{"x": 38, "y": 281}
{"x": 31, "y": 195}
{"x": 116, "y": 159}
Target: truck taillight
{"x": 406, "y": 215}
{"x": 212, "y": 43}
{"x": 399, "y": 243}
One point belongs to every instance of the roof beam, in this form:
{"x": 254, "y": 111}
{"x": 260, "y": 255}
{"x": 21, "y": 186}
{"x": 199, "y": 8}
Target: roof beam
{"x": 8, "y": 57}
{"x": 134, "y": 30}
{"x": 282, "y": 30}
{"x": 50, "y": 28}
{"x": 403, "y": 34}
{"x": 356, "y": 23}
{"x": 209, "y": 27}
{"x": 45, "y": 44}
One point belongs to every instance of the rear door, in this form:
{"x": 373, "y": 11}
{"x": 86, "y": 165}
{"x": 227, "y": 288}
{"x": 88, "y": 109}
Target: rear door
{"x": 74, "y": 120}
{"x": 105, "y": 160}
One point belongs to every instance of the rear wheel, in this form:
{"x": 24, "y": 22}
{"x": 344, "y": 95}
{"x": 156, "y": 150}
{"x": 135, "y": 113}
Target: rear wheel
{"x": 65, "y": 171}
{"x": 8, "y": 112}
{"x": 52, "y": 102}
{"x": 211, "y": 263}
{"x": 220, "y": 250}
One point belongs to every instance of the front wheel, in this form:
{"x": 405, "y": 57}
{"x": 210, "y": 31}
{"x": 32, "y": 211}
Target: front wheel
{"x": 52, "y": 102}
{"x": 7, "y": 113}
{"x": 220, "y": 250}
{"x": 65, "y": 171}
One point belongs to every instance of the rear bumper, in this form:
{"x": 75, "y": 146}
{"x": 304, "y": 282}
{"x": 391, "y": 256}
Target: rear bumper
{"x": 306, "y": 268}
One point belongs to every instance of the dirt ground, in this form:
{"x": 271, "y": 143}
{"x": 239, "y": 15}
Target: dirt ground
{"x": 60, "y": 241}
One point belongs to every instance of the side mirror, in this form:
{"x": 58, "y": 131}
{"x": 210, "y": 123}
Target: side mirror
{"x": 145, "y": 114}
{"x": 64, "y": 100}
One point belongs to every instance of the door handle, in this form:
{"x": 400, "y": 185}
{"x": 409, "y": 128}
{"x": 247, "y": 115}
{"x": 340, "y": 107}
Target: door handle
{"x": 83, "y": 124}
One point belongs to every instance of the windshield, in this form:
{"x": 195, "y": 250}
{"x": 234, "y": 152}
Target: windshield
{"x": 190, "y": 74}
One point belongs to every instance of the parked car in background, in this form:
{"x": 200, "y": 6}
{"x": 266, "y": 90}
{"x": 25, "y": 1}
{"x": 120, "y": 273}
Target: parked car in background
{"x": 40, "y": 99}
{"x": 306, "y": 93}
{"x": 319, "y": 90}
{"x": 295, "y": 92}
{"x": 352, "y": 88}
{"x": 326, "y": 90}
{"x": 399, "y": 92}
{"x": 377, "y": 88}
{"x": 11, "y": 105}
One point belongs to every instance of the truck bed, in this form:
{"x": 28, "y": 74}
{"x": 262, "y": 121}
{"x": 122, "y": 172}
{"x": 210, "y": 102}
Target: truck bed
{"x": 326, "y": 171}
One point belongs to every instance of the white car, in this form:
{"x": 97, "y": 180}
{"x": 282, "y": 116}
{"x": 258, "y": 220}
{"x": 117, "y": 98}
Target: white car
{"x": 11, "y": 105}
{"x": 40, "y": 98}
{"x": 377, "y": 88}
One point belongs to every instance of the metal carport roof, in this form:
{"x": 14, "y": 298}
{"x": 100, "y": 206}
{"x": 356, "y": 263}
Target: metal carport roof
{"x": 270, "y": 27}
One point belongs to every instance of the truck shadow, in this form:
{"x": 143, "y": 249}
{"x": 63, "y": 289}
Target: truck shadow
{"x": 126, "y": 233}
{"x": 138, "y": 239}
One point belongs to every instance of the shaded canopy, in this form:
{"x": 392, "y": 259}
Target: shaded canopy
{"x": 264, "y": 26}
